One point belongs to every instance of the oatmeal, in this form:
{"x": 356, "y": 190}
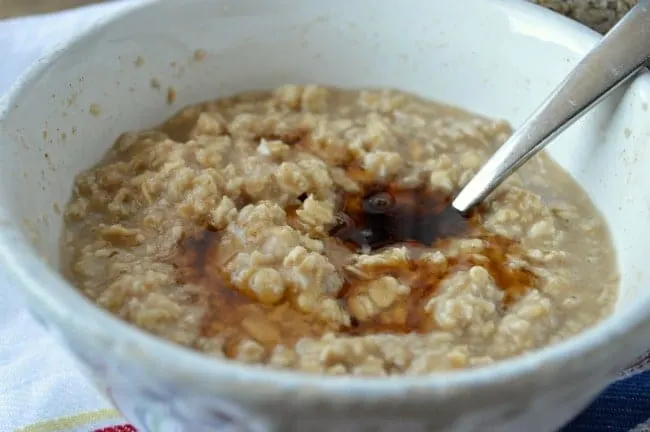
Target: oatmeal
{"x": 309, "y": 228}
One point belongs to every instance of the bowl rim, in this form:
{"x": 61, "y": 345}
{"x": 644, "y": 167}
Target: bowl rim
{"x": 47, "y": 289}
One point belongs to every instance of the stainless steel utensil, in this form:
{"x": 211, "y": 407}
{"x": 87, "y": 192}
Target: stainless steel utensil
{"x": 617, "y": 57}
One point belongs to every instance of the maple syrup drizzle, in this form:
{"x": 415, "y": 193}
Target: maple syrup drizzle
{"x": 420, "y": 218}
{"x": 388, "y": 215}
{"x": 381, "y": 216}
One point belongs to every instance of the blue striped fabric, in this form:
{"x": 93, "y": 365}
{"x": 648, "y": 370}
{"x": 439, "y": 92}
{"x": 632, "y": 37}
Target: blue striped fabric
{"x": 623, "y": 407}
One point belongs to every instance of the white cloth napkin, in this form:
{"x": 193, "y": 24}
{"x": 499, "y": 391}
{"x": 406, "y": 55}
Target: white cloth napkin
{"x": 40, "y": 387}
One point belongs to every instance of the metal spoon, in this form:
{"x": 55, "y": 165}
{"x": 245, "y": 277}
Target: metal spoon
{"x": 617, "y": 57}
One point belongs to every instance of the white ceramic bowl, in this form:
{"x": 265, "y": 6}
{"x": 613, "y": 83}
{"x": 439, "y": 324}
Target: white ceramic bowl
{"x": 494, "y": 57}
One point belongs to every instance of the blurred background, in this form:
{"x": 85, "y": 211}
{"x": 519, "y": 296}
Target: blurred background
{"x": 12, "y": 8}
{"x": 597, "y": 14}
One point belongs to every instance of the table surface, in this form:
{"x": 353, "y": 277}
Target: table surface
{"x": 12, "y": 8}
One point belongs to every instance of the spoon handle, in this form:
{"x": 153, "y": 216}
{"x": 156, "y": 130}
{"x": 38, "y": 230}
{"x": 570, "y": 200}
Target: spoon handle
{"x": 618, "y": 55}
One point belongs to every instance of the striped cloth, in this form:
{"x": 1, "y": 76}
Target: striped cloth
{"x": 623, "y": 407}
{"x": 40, "y": 387}
{"x": 122, "y": 428}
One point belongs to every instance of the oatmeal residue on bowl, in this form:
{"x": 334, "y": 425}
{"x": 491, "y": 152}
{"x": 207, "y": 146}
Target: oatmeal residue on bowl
{"x": 306, "y": 228}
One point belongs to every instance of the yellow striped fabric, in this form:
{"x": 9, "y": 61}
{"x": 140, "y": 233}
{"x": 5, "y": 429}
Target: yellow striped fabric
{"x": 73, "y": 421}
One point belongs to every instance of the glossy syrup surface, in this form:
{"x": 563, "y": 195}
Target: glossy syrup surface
{"x": 387, "y": 215}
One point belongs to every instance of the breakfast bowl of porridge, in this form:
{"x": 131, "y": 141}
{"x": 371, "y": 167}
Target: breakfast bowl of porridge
{"x": 239, "y": 218}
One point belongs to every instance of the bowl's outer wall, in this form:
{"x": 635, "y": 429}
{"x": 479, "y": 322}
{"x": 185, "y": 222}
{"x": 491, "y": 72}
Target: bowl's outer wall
{"x": 500, "y": 60}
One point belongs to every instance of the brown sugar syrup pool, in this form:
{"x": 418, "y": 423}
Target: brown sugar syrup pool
{"x": 380, "y": 216}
